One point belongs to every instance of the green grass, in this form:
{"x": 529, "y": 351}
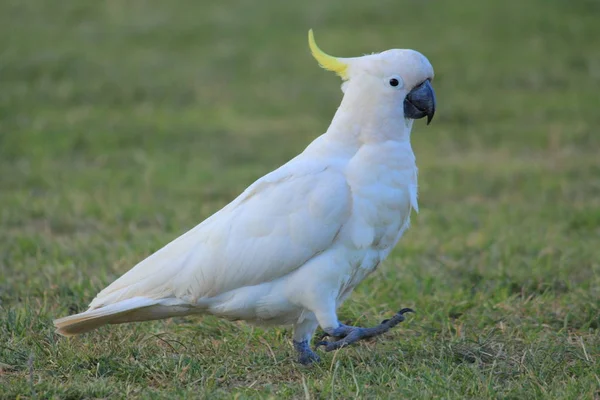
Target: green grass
{"x": 125, "y": 123}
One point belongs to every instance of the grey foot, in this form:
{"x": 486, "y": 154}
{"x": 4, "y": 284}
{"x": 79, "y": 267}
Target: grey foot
{"x": 346, "y": 335}
{"x": 305, "y": 355}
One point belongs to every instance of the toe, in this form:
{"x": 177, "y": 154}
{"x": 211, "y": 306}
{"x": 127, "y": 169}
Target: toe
{"x": 308, "y": 358}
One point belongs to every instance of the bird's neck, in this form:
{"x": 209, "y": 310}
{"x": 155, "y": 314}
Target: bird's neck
{"x": 352, "y": 135}
{"x": 359, "y": 121}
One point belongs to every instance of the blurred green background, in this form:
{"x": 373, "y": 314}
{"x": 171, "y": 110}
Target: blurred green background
{"x": 125, "y": 123}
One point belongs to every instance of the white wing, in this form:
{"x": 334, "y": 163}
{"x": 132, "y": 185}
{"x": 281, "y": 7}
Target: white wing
{"x": 274, "y": 227}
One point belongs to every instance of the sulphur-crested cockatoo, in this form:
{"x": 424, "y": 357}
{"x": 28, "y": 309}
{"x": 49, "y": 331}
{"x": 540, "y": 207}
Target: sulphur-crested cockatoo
{"x": 292, "y": 247}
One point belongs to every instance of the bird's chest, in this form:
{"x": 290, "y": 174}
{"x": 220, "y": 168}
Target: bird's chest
{"x": 381, "y": 216}
{"x": 383, "y": 194}
{"x": 383, "y": 182}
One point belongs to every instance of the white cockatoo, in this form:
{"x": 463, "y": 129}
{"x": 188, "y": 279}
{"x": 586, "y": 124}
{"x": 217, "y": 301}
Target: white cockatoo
{"x": 292, "y": 247}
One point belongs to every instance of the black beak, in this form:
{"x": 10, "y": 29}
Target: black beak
{"x": 420, "y": 102}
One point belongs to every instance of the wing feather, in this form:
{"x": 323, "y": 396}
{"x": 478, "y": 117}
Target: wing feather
{"x": 273, "y": 228}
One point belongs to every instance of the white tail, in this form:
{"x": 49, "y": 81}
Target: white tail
{"x": 130, "y": 310}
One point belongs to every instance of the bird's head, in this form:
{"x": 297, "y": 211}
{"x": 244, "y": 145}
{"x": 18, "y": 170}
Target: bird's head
{"x": 395, "y": 83}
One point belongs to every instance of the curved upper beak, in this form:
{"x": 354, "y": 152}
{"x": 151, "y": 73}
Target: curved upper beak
{"x": 420, "y": 102}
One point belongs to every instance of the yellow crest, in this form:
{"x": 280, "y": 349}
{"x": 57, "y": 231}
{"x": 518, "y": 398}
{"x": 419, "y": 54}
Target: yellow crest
{"x": 326, "y": 61}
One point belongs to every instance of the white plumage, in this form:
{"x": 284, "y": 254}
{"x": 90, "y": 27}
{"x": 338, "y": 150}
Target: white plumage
{"x": 294, "y": 244}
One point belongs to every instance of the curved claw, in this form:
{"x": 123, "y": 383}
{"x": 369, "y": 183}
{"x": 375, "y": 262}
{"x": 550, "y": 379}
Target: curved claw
{"x": 400, "y": 313}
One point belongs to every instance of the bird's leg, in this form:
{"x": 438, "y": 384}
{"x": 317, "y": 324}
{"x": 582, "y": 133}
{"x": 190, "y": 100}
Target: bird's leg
{"x": 345, "y": 335}
{"x": 302, "y": 334}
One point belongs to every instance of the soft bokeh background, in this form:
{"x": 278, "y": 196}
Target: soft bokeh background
{"x": 125, "y": 123}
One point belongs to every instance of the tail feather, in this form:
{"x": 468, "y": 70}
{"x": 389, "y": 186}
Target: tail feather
{"x": 130, "y": 310}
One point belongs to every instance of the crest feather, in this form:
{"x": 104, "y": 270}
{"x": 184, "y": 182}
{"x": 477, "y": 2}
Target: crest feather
{"x": 326, "y": 61}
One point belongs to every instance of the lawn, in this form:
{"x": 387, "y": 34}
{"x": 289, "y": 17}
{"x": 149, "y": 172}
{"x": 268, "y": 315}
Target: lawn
{"x": 125, "y": 123}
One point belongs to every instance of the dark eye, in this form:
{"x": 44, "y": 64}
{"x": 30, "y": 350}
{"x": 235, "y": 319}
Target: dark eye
{"x": 394, "y": 82}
